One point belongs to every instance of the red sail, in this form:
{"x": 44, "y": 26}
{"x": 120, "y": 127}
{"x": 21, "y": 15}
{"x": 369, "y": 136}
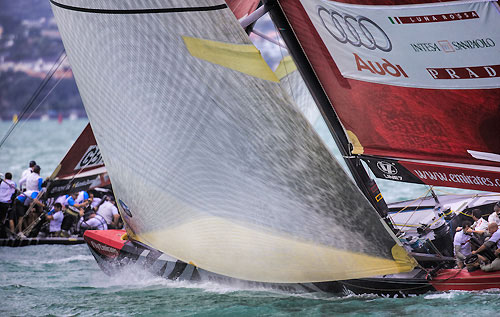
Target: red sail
{"x": 242, "y": 8}
{"x": 391, "y": 117}
{"x": 81, "y": 168}
{"x": 83, "y": 156}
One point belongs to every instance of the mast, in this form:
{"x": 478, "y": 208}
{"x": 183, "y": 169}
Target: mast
{"x": 367, "y": 185}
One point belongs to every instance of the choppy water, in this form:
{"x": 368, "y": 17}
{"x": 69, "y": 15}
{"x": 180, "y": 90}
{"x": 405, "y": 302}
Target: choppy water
{"x": 66, "y": 281}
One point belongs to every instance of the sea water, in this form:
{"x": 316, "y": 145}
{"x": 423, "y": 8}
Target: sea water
{"x": 51, "y": 280}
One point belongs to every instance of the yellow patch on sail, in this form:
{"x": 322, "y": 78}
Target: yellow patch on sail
{"x": 286, "y": 66}
{"x": 223, "y": 247}
{"x": 357, "y": 147}
{"x": 405, "y": 262}
{"x": 240, "y": 57}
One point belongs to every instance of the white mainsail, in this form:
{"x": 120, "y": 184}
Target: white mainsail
{"x": 210, "y": 159}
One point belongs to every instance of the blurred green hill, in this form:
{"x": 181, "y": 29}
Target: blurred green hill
{"x": 29, "y": 46}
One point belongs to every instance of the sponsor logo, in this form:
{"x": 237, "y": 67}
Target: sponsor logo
{"x": 447, "y": 17}
{"x": 473, "y": 44}
{"x": 490, "y": 71}
{"x": 92, "y": 157}
{"x": 453, "y": 46}
{"x": 385, "y": 68}
{"x": 77, "y": 184}
{"x": 389, "y": 170}
{"x": 357, "y": 31}
{"x": 446, "y": 46}
{"x": 443, "y": 177}
{"x": 425, "y": 47}
{"x": 104, "y": 248}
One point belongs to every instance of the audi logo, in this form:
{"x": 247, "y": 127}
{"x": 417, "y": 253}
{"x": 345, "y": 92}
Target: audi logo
{"x": 354, "y": 30}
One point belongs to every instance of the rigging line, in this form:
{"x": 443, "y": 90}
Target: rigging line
{"x": 267, "y": 38}
{"x": 449, "y": 278}
{"x": 44, "y": 98}
{"x": 409, "y": 204}
{"x": 289, "y": 80}
{"x": 37, "y": 92}
{"x": 405, "y": 224}
{"x": 412, "y": 214}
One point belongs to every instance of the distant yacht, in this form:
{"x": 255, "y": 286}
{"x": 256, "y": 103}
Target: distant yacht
{"x": 44, "y": 118}
{"x": 73, "y": 116}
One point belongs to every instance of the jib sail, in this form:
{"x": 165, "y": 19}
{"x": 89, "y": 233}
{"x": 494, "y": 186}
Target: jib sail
{"x": 210, "y": 160}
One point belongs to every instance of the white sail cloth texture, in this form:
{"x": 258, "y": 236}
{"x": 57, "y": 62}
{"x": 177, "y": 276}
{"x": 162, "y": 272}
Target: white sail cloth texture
{"x": 294, "y": 85}
{"x": 210, "y": 160}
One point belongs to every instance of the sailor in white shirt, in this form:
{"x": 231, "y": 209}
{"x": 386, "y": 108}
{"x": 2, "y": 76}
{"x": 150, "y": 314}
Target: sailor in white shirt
{"x": 95, "y": 222}
{"x": 25, "y": 174}
{"x": 109, "y": 212}
{"x": 34, "y": 181}
{"x": 56, "y": 219}
{"x": 461, "y": 244}
{"x": 7, "y": 189}
{"x": 494, "y": 217}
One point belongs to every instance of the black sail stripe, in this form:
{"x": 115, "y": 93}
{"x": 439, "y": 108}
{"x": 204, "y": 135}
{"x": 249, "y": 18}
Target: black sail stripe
{"x": 139, "y": 11}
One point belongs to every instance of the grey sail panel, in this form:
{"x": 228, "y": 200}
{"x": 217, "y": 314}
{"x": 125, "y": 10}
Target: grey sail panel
{"x": 211, "y": 161}
{"x": 293, "y": 84}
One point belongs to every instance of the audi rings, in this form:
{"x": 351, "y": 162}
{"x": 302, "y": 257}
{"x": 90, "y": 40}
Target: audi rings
{"x": 358, "y": 34}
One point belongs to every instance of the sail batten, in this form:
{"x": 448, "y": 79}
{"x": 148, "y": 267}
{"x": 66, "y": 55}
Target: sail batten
{"x": 140, "y": 10}
{"x": 207, "y": 157}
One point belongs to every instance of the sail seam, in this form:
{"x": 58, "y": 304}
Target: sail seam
{"x": 139, "y": 11}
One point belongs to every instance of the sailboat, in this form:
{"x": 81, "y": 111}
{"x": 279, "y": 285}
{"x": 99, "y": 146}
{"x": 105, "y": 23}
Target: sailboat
{"x": 82, "y": 168}
{"x": 220, "y": 176}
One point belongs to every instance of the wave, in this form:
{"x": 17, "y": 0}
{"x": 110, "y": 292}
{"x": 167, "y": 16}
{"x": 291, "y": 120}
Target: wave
{"x": 70, "y": 259}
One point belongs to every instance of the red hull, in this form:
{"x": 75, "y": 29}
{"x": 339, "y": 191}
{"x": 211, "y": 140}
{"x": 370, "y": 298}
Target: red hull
{"x": 107, "y": 242}
{"x": 455, "y": 279}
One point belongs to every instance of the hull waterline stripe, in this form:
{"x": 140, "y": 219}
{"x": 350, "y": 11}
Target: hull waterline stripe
{"x": 139, "y": 11}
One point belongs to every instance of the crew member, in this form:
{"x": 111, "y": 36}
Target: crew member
{"x": 25, "y": 174}
{"x": 7, "y": 189}
{"x": 56, "y": 218}
{"x": 34, "y": 180}
{"x": 94, "y": 222}
{"x": 494, "y": 217}
{"x": 485, "y": 252}
{"x": 461, "y": 244}
{"x": 109, "y": 212}
{"x": 480, "y": 225}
